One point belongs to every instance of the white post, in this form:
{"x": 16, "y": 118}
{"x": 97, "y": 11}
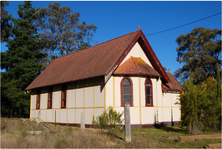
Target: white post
{"x": 38, "y": 117}
{"x": 82, "y": 122}
{"x": 127, "y": 122}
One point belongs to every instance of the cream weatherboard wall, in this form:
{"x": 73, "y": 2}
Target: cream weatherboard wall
{"x": 83, "y": 96}
{"x": 163, "y": 103}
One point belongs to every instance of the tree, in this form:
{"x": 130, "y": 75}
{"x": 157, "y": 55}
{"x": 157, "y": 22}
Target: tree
{"x": 21, "y": 62}
{"x": 200, "y": 107}
{"x": 5, "y": 22}
{"x": 200, "y": 51}
{"x": 62, "y": 31}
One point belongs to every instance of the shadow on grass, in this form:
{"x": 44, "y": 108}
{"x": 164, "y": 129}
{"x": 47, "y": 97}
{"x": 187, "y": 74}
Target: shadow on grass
{"x": 170, "y": 128}
{"x": 115, "y": 136}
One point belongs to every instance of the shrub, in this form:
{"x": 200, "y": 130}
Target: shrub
{"x": 109, "y": 118}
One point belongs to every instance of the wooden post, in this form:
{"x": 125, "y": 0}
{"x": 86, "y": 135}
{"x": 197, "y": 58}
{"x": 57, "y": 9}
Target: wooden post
{"x": 55, "y": 118}
{"x": 127, "y": 122}
{"x": 82, "y": 122}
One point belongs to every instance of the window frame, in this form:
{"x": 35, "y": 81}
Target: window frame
{"x": 151, "y": 96}
{"x": 50, "y": 91}
{"x": 38, "y": 95}
{"x": 51, "y": 100}
{"x": 131, "y": 90}
{"x": 65, "y": 97}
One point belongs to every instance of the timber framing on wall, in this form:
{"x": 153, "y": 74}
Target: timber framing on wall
{"x": 91, "y": 87}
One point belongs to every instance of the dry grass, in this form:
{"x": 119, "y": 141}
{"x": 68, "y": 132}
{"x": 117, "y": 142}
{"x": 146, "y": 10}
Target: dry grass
{"x": 14, "y": 135}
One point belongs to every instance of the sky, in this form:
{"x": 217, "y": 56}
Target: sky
{"x": 117, "y": 18}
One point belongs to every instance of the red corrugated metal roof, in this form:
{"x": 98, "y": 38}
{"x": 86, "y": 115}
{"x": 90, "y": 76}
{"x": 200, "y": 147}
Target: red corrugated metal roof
{"x": 99, "y": 60}
{"x": 136, "y": 66}
{"x": 174, "y": 86}
{"x": 88, "y": 63}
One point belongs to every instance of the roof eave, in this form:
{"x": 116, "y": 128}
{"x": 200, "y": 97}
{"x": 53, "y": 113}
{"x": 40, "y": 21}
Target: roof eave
{"x": 64, "y": 82}
{"x": 141, "y": 74}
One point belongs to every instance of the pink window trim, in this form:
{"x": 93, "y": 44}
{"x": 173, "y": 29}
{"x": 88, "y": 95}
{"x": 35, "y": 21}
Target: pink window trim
{"x": 151, "y": 87}
{"x": 131, "y": 90}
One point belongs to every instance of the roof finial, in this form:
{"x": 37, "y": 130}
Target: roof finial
{"x": 169, "y": 70}
{"x": 138, "y": 27}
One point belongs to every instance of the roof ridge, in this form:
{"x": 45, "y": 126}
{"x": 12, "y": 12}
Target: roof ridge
{"x": 96, "y": 45}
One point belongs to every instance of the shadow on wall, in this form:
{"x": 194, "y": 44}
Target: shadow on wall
{"x": 99, "y": 81}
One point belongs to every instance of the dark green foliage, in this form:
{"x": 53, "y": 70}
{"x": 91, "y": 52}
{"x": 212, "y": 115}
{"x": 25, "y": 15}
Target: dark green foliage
{"x": 200, "y": 107}
{"x": 5, "y": 22}
{"x": 218, "y": 84}
{"x": 199, "y": 51}
{"x": 108, "y": 118}
{"x": 62, "y": 31}
{"x": 21, "y": 62}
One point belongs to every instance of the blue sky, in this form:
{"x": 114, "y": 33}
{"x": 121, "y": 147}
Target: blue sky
{"x": 115, "y": 18}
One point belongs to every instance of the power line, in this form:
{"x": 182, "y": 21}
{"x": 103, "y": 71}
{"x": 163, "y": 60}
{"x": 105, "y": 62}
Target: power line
{"x": 184, "y": 24}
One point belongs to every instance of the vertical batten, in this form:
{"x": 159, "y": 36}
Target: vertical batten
{"x": 67, "y": 105}
{"x": 113, "y": 93}
{"x": 162, "y": 107}
{"x": 75, "y": 105}
{"x": 40, "y": 107}
{"x": 157, "y": 103}
{"x": 171, "y": 108}
{"x": 52, "y": 104}
{"x": 46, "y": 115}
{"x": 30, "y": 113}
{"x": 84, "y": 102}
{"x": 94, "y": 100}
{"x": 104, "y": 96}
{"x": 140, "y": 101}
{"x": 60, "y": 105}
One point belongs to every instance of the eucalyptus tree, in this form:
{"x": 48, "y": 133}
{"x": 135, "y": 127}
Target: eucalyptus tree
{"x": 200, "y": 52}
{"x": 62, "y": 31}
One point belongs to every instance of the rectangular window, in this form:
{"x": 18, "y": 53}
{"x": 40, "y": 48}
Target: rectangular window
{"x": 38, "y": 101}
{"x": 49, "y": 100}
{"x": 63, "y": 99}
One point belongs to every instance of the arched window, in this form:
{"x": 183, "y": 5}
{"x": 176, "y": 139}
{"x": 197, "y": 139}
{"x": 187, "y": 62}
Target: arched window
{"x": 148, "y": 92}
{"x": 126, "y": 91}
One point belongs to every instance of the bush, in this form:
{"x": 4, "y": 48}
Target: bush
{"x": 109, "y": 118}
{"x": 200, "y": 106}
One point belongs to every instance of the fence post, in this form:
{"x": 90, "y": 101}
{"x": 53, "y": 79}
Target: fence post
{"x": 38, "y": 117}
{"x": 127, "y": 122}
{"x": 82, "y": 122}
{"x": 55, "y": 118}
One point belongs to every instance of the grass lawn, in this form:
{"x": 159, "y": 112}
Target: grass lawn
{"x": 14, "y": 135}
